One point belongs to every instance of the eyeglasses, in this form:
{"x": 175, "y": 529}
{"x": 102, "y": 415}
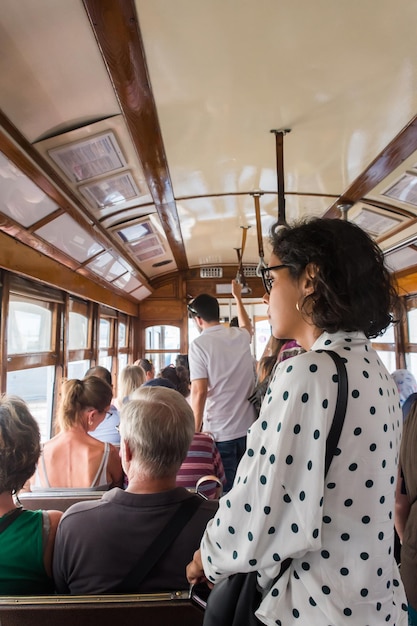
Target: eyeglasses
{"x": 267, "y": 279}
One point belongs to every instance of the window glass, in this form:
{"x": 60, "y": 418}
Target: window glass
{"x": 411, "y": 363}
{"x": 122, "y": 360}
{"x": 104, "y": 360}
{"x": 77, "y": 369}
{"x": 161, "y": 360}
{"x": 262, "y": 336}
{"x": 29, "y": 327}
{"x": 122, "y": 339}
{"x": 78, "y": 331}
{"x": 35, "y": 386}
{"x": 162, "y": 338}
{"x": 387, "y": 337}
{"x": 412, "y": 325}
{"x": 104, "y": 338}
{"x": 388, "y": 359}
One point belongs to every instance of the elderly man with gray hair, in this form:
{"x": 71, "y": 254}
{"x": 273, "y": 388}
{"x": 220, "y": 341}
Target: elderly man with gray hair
{"x": 106, "y": 546}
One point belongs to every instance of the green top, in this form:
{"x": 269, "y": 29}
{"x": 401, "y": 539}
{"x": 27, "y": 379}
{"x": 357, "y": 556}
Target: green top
{"x": 22, "y": 571}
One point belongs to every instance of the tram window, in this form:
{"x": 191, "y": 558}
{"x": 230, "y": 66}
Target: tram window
{"x": 162, "y": 345}
{"x": 122, "y": 335}
{"x": 385, "y": 347}
{"x": 412, "y": 325}
{"x": 104, "y": 333}
{"x": 77, "y": 369}
{"x": 262, "y": 336}
{"x": 162, "y": 338}
{"x": 35, "y": 386}
{"x": 122, "y": 360}
{"x": 30, "y": 326}
{"x": 78, "y": 331}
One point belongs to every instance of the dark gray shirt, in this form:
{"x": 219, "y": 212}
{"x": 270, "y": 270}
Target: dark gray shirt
{"x": 98, "y": 543}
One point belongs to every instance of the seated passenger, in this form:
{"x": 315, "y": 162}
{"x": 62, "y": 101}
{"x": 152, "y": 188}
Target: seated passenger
{"x": 108, "y": 429}
{"x": 203, "y": 457}
{"x": 73, "y": 459}
{"x": 99, "y": 542}
{"x": 147, "y": 367}
{"x": 407, "y": 389}
{"x": 26, "y": 544}
{"x": 131, "y": 377}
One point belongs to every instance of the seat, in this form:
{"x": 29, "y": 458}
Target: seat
{"x": 156, "y": 609}
{"x": 56, "y": 499}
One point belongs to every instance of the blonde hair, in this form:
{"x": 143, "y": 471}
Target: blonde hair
{"x": 77, "y": 395}
{"x": 158, "y": 425}
{"x": 131, "y": 377}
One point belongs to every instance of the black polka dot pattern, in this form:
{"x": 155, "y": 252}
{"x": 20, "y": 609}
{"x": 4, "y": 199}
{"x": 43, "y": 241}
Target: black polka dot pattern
{"x": 283, "y": 505}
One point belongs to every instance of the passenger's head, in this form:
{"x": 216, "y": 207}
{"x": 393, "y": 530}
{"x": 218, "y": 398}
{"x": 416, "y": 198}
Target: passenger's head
{"x": 333, "y": 274}
{"x": 179, "y": 377}
{"x": 206, "y": 307}
{"x": 157, "y": 426}
{"x": 19, "y": 444}
{"x": 100, "y": 372}
{"x": 182, "y": 359}
{"x": 147, "y": 367}
{"x": 131, "y": 377}
{"x": 406, "y": 384}
{"x": 234, "y": 322}
{"x": 84, "y": 402}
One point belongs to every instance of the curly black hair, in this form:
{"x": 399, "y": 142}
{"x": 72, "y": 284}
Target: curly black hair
{"x": 353, "y": 289}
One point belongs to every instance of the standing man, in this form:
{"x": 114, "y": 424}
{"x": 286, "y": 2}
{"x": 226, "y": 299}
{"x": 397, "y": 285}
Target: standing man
{"x": 222, "y": 378}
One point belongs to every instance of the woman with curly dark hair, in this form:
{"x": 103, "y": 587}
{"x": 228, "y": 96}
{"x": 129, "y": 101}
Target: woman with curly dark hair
{"x": 327, "y": 288}
{"x": 26, "y": 537}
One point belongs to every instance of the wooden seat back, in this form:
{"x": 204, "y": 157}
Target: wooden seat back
{"x": 156, "y": 609}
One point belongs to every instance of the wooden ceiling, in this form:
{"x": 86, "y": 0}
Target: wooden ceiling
{"x": 189, "y": 92}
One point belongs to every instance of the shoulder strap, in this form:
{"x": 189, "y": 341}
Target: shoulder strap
{"x": 335, "y": 429}
{"x": 340, "y": 410}
{"x": 161, "y": 543}
{"x": 8, "y": 519}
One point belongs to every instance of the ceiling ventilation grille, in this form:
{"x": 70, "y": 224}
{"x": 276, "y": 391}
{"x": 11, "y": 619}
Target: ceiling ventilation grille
{"x": 250, "y": 271}
{"x": 211, "y": 272}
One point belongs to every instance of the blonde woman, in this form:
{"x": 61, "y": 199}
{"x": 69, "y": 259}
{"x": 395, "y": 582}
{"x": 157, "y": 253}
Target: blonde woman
{"x": 131, "y": 377}
{"x": 73, "y": 459}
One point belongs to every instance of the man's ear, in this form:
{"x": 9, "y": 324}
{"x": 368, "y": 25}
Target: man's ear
{"x": 126, "y": 450}
{"x": 309, "y": 279}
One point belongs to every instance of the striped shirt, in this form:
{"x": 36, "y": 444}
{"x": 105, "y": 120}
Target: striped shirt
{"x": 203, "y": 458}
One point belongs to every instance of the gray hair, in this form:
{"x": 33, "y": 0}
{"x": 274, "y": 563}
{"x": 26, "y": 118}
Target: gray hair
{"x": 158, "y": 425}
{"x": 19, "y": 443}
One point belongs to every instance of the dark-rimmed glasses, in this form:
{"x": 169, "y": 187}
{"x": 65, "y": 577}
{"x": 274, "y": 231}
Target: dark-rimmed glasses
{"x": 267, "y": 278}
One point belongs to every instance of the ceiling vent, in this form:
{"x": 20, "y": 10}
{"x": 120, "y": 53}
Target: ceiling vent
{"x": 250, "y": 271}
{"x": 211, "y": 272}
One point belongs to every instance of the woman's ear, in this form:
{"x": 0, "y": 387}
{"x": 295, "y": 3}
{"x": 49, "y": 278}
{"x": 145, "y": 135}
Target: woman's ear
{"x": 309, "y": 279}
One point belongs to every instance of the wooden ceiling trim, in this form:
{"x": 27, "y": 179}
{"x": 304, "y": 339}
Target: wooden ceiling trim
{"x": 26, "y": 261}
{"x": 399, "y": 149}
{"x": 21, "y": 152}
{"x": 116, "y": 28}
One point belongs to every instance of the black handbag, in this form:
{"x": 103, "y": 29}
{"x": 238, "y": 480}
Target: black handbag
{"x": 234, "y": 600}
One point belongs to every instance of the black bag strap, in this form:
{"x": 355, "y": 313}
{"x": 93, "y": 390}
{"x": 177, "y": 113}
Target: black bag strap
{"x": 340, "y": 410}
{"x": 8, "y": 519}
{"x": 335, "y": 429}
{"x": 161, "y": 543}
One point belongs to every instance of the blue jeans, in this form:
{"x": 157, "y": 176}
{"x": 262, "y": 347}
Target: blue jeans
{"x": 231, "y": 453}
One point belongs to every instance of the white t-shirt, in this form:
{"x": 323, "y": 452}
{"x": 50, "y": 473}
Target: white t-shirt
{"x": 222, "y": 356}
{"x": 339, "y": 529}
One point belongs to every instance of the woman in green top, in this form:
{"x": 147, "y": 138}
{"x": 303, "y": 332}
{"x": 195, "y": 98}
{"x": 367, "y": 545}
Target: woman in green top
{"x": 26, "y": 537}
